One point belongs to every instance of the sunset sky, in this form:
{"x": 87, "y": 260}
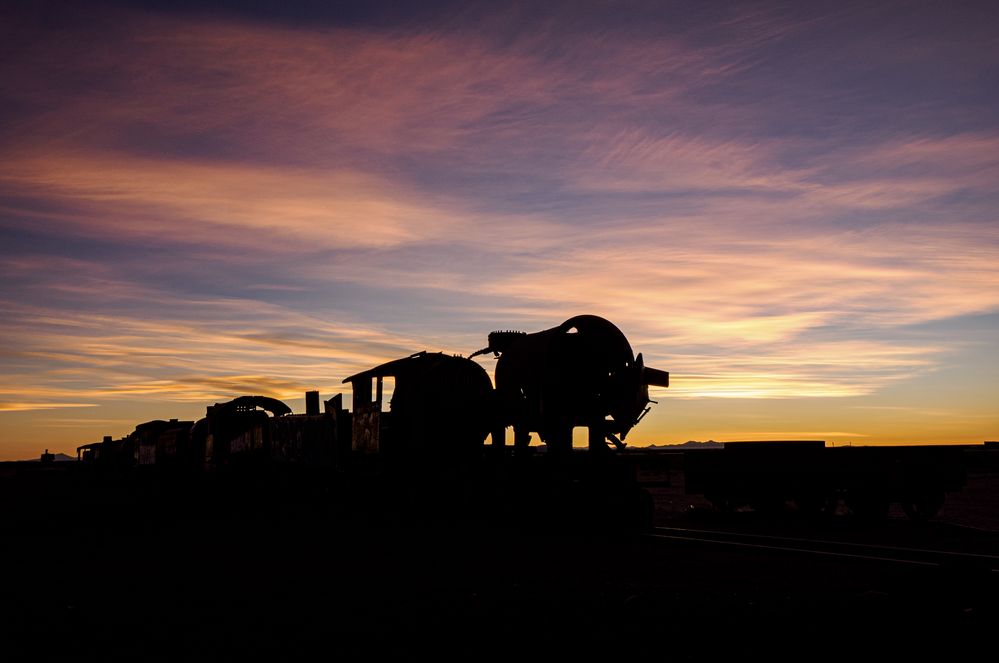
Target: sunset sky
{"x": 792, "y": 207}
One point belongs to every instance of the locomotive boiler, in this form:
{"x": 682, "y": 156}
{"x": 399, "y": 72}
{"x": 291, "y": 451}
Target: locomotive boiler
{"x": 580, "y": 373}
{"x": 441, "y": 409}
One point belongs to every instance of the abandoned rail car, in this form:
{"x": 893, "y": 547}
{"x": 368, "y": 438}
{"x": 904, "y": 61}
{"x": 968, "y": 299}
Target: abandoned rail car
{"x": 770, "y": 475}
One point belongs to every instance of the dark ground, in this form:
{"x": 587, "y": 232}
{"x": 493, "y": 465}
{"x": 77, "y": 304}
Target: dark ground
{"x": 295, "y": 581}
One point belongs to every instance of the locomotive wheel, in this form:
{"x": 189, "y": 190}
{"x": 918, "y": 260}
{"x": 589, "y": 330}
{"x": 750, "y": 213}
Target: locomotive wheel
{"x": 924, "y": 505}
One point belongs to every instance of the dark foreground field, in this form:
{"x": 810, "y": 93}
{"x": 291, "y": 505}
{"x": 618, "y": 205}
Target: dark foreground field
{"x": 294, "y": 580}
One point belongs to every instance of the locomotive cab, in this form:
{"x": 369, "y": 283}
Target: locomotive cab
{"x": 441, "y": 408}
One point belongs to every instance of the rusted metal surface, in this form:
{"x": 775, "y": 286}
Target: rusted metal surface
{"x": 310, "y": 439}
{"x": 366, "y": 429}
{"x": 147, "y": 452}
{"x": 249, "y": 440}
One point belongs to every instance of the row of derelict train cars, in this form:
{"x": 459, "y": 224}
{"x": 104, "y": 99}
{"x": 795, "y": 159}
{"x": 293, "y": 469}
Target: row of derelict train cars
{"x": 441, "y": 443}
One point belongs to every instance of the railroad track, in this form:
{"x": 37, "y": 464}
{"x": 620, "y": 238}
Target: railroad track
{"x": 821, "y": 547}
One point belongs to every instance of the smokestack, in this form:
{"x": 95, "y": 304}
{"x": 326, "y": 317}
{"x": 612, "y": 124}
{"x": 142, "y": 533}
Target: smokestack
{"x": 312, "y": 402}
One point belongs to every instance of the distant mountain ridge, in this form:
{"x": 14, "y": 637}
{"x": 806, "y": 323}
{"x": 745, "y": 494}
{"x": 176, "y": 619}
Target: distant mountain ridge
{"x": 56, "y": 458}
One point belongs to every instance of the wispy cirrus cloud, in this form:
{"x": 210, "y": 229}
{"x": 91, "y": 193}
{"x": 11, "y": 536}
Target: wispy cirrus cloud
{"x": 23, "y": 406}
{"x": 230, "y": 206}
{"x": 191, "y": 351}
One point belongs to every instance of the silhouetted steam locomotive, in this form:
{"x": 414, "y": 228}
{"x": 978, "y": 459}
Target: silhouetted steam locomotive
{"x": 432, "y": 437}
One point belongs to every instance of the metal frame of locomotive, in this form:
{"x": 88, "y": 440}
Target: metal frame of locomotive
{"x": 431, "y": 440}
